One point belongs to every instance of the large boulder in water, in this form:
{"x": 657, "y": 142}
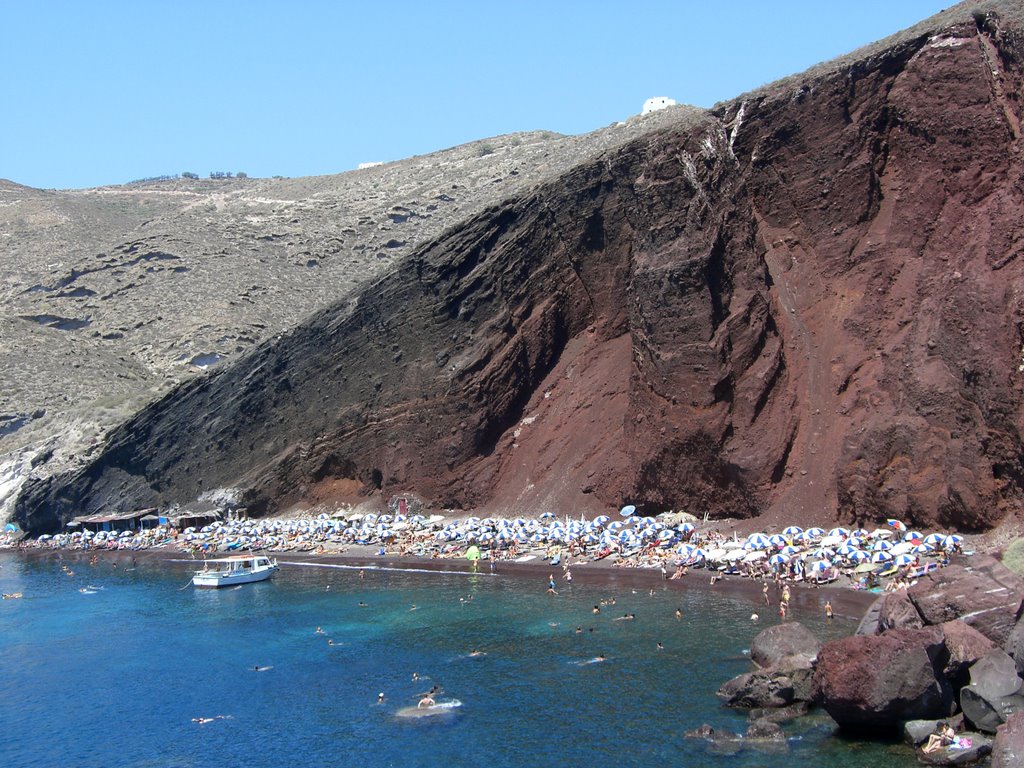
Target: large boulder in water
{"x": 994, "y": 693}
{"x": 898, "y": 612}
{"x": 1015, "y": 644}
{"x": 763, "y": 688}
{"x": 1008, "y": 747}
{"x": 777, "y": 642}
{"x": 987, "y": 596}
{"x": 882, "y": 680}
{"x": 965, "y": 646}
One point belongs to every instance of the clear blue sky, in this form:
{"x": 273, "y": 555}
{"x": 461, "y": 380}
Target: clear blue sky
{"x": 101, "y": 92}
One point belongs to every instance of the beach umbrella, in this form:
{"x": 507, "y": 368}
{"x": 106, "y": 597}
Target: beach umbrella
{"x": 547, "y": 515}
{"x": 913, "y": 535}
{"x": 734, "y": 555}
{"x": 934, "y": 538}
{"x": 832, "y": 541}
{"x": 686, "y": 528}
{"x": 699, "y": 554}
{"x": 790, "y": 550}
{"x": 952, "y": 540}
{"x": 904, "y": 559}
{"x": 881, "y": 546}
{"x": 778, "y": 540}
{"x": 627, "y": 511}
{"x": 902, "y": 548}
{"x": 924, "y": 549}
{"x": 757, "y": 554}
{"x": 843, "y": 532}
{"x": 601, "y": 520}
{"x": 717, "y": 554}
{"x": 792, "y": 530}
{"x": 896, "y": 524}
{"x": 757, "y": 541}
{"x": 778, "y": 559}
{"x": 815, "y": 532}
{"x": 847, "y": 549}
{"x": 865, "y": 567}
{"x": 820, "y": 566}
{"x": 805, "y": 536}
{"x": 859, "y": 556}
{"x": 881, "y": 557}
{"x": 880, "y": 533}
{"x": 824, "y": 553}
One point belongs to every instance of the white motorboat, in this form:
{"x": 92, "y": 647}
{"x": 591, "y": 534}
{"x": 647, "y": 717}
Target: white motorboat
{"x": 229, "y": 571}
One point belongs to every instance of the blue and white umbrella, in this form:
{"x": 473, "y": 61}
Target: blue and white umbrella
{"x": 757, "y": 541}
{"x": 904, "y": 560}
{"x": 686, "y": 528}
{"x": 843, "y": 532}
{"x": 881, "y": 546}
{"x": 790, "y": 550}
{"x": 847, "y": 549}
{"x": 547, "y": 516}
{"x": 627, "y": 511}
{"x": 601, "y": 520}
{"x": 912, "y": 535}
{"x": 859, "y": 556}
{"x": 924, "y": 549}
{"x": 881, "y": 557}
{"x": 778, "y": 559}
{"x": 778, "y": 540}
{"x": 816, "y": 532}
{"x": 793, "y": 530}
{"x": 820, "y": 566}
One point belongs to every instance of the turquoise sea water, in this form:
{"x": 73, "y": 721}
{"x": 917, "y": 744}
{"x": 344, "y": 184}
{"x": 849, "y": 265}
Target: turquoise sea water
{"x": 114, "y": 678}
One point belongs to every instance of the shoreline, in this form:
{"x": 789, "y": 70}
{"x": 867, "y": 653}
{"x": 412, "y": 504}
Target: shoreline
{"x": 805, "y": 600}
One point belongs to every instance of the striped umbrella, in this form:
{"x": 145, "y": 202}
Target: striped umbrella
{"x": 881, "y": 557}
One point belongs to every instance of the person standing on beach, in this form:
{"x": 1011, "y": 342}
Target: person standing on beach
{"x": 764, "y": 591}
{"x": 828, "y": 609}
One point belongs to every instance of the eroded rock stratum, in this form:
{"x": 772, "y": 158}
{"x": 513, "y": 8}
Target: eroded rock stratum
{"x": 804, "y": 302}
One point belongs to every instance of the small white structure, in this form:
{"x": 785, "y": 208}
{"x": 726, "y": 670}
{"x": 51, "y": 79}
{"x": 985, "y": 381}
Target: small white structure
{"x": 362, "y": 166}
{"x": 655, "y": 103}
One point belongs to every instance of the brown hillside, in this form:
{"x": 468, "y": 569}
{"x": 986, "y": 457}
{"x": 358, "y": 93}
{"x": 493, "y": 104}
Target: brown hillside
{"x": 806, "y": 302}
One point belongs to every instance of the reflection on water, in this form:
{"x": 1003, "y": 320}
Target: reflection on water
{"x": 149, "y": 671}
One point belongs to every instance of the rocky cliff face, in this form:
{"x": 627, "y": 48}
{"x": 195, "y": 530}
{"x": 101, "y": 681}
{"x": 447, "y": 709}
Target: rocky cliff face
{"x": 806, "y": 302}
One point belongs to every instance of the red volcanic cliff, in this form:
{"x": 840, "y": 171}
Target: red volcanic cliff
{"x": 806, "y": 302}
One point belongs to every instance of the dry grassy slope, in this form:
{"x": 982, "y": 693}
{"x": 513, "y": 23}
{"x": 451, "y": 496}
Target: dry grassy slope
{"x": 110, "y": 296}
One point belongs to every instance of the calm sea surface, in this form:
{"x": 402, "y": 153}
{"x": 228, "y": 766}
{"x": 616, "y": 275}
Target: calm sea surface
{"x": 115, "y": 678}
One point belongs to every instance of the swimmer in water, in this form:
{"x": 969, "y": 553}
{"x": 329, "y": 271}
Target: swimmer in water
{"x": 380, "y": 697}
{"x": 597, "y": 609}
{"x": 475, "y": 654}
{"x": 426, "y": 701}
{"x": 415, "y": 676}
{"x": 679, "y": 613}
{"x": 319, "y": 630}
{"x": 661, "y": 647}
{"x": 626, "y": 617}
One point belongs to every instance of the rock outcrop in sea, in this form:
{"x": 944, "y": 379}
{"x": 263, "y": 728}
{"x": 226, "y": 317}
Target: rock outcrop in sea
{"x": 807, "y": 300}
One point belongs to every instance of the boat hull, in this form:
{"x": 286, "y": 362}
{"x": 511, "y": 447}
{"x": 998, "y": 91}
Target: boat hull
{"x": 215, "y": 579}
